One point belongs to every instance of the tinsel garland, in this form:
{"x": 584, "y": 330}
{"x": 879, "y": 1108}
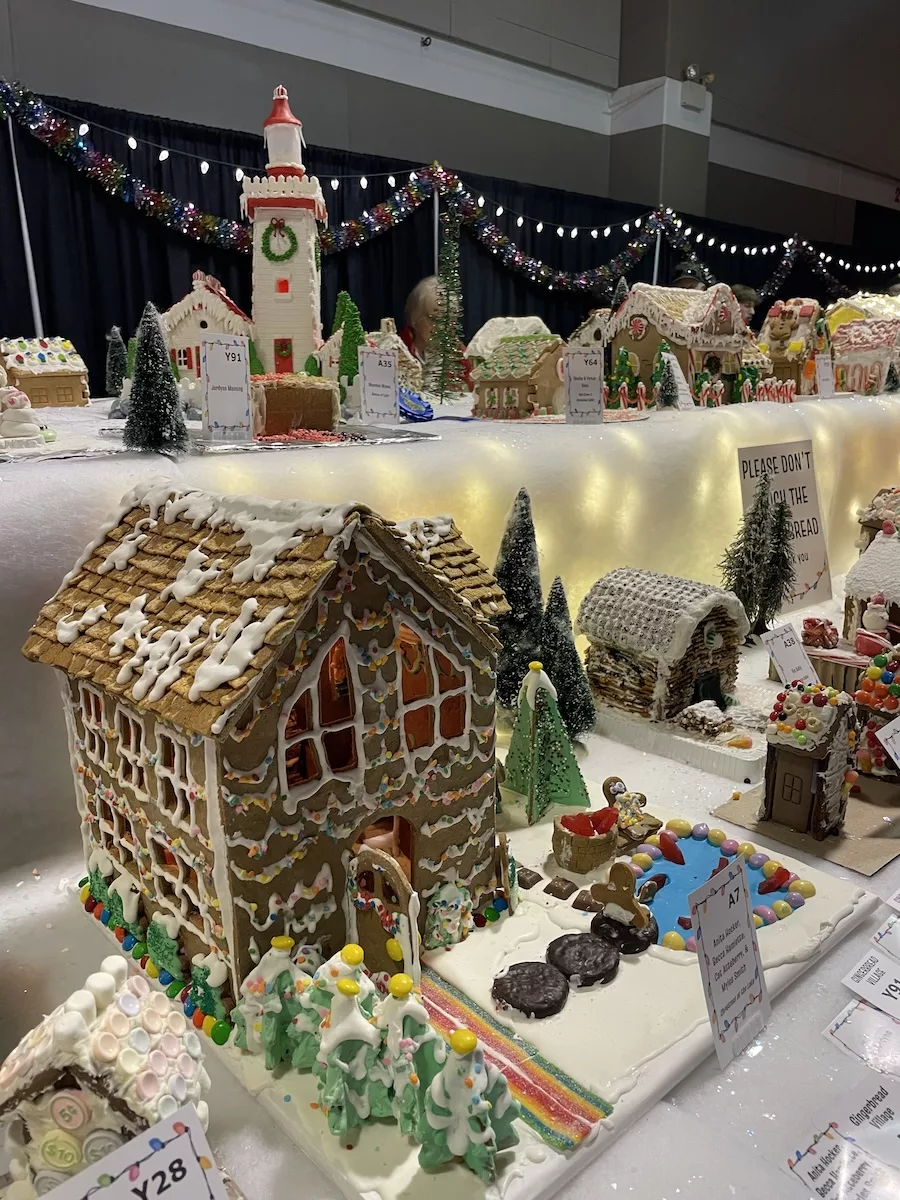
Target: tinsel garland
{"x": 794, "y": 250}
{"x": 62, "y": 137}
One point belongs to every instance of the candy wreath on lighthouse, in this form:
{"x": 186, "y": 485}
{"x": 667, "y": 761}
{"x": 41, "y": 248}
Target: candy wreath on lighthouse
{"x": 284, "y": 206}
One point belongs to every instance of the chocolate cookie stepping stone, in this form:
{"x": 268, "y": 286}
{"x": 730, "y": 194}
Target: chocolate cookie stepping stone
{"x": 534, "y": 988}
{"x": 626, "y": 938}
{"x": 584, "y": 958}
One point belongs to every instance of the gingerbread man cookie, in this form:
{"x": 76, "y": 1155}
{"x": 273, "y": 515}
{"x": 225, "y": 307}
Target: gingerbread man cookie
{"x": 618, "y": 898}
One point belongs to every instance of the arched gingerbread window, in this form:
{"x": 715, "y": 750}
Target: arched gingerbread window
{"x": 336, "y": 702}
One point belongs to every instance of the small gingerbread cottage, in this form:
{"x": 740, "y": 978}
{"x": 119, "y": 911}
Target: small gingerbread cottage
{"x": 863, "y": 351}
{"x": 409, "y": 369}
{"x": 807, "y": 760}
{"x": 658, "y": 644}
{"x": 592, "y": 330}
{"x": 788, "y": 338}
{"x": 884, "y": 506}
{"x": 875, "y": 573}
{"x": 111, "y": 1061}
{"x": 495, "y": 330}
{"x": 521, "y": 378}
{"x": 281, "y": 721}
{"x": 50, "y": 371}
{"x": 206, "y": 310}
{"x": 705, "y": 330}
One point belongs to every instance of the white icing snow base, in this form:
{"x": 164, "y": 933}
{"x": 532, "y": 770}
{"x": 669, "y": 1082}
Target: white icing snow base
{"x": 669, "y": 740}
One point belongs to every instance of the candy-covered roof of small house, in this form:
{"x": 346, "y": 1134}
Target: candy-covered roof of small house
{"x": 877, "y": 570}
{"x": 884, "y": 506}
{"x": 519, "y": 357}
{"x": 41, "y": 356}
{"x": 865, "y": 336}
{"x": 652, "y": 614}
{"x": 711, "y": 318}
{"x": 207, "y": 295}
{"x": 494, "y": 330}
{"x": 185, "y": 597}
{"x": 118, "y": 1039}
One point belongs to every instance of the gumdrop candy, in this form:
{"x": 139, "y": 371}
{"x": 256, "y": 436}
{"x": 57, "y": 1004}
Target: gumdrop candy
{"x": 774, "y": 882}
{"x": 578, "y": 823}
{"x": 671, "y": 850}
{"x": 603, "y": 819}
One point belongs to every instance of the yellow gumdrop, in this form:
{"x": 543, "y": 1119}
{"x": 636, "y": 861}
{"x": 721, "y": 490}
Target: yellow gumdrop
{"x": 208, "y": 1025}
{"x": 84, "y": 894}
{"x": 769, "y": 868}
{"x": 873, "y": 672}
{"x": 539, "y": 666}
{"x": 716, "y": 837}
{"x": 348, "y": 987}
{"x": 152, "y": 970}
{"x": 757, "y": 920}
{"x": 804, "y": 887}
{"x": 680, "y": 826}
{"x": 352, "y": 954}
{"x": 746, "y": 849}
{"x": 673, "y": 940}
{"x": 644, "y": 861}
{"x": 463, "y": 1041}
{"x": 394, "y": 949}
{"x": 283, "y": 943}
{"x": 781, "y": 909}
{"x": 400, "y": 986}
{"x": 652, "y": 840}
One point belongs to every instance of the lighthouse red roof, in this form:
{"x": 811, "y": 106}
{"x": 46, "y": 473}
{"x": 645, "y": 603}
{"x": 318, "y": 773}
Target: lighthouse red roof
{"x": 281, "y": 110}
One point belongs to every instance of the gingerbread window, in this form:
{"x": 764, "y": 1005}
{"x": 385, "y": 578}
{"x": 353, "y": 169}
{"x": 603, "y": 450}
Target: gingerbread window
{"x": 336, "y": 702}
{"x": 301, "y": 763}
{"x": 415, "y": 671}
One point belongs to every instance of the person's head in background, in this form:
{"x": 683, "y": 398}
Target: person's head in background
{"x": 747, "y": 298}
{"x": 894, "y": 289}
{"x": 687, "y": 275}
{"x": 419, "y": 313}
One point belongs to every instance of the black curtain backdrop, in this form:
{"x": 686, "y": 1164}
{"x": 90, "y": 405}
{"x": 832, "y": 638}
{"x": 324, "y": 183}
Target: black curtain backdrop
{"x": 97, "y": 260}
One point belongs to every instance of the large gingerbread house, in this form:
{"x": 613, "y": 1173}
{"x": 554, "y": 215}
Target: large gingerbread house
{"x": 705, "y": 330}
{"x": 863, "y": 351}
{"x": 807, "y": 760}
{"x": 281, "y": 717}
{"x": 521, "y": 378}
{"x": 206, "y": 310}
{"x": 50, "y": 371}
{"x": 658, "y": 644}
{"x": 788, "y": 338}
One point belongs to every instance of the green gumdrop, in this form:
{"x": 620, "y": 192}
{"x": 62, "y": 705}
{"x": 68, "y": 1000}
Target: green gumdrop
{"x": 491, "y": 914}
{"x": 894, "y": 689}
{"x": 175, "y": 988}
{"x": 220, "y": 1032}
{"x": 139, "y": 950}
{"x": 880, "y": 660}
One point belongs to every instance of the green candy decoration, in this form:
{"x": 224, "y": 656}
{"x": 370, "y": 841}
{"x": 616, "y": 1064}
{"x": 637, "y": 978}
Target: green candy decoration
{"x": 540, "y": 764}
{"x": 350, "y": 1090}
{"x": 163, "y": 950}
{"x": 411, "y": 1055}
{"x": 207, "y": 999}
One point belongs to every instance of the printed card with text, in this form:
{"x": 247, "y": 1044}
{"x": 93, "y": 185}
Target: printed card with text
{"x": 833, "y": 1165}
{"x": 583, "y": 380}
{"x": 788, "y": 655}
{"x": 225, "y": 363}
{"x": 867, "y": 1034}
{"x": 889, "y": 736}
{"x": 733, "y": 982}
{"x": 379, "y": 397}
{"x": 171, "y": 1159}
{"x": 876, "y": 979}
{"x": 791, "y": 473}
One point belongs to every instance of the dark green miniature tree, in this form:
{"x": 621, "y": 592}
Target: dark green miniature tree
{"x": 668, "y": 387}
{"x": 352, "y": 337}
{"x": 312, "y": 366}
{"x": 129, "y": 357}
{"x": 340, "y": 311}
{"x": 207, "y": 999}
{"x": 622, "y": 372}
{"x": 563, "y": 664}
{"x": 116, "y": 359}
{"x": 621, "y": 292}
{"x": 446, "y": 371}
{"x": 519, "y": 575}
{"x": 892, "y": 379}
{"x": 155, "y": 416}
{"x": 256, "y": 366}
{"x": 759, "y": 564}
{"x": 780, "y": 573}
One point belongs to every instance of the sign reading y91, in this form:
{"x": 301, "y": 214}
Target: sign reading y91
{"x": 792, "y": 478}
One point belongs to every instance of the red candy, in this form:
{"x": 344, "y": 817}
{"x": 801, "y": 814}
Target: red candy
{"x": 801, "y": 724}
{"x": 603, "y": 819}
{"x": 820, "y": 700}
{"x": 774, "y": 882}
{"x": 579, "y": 823}
{"x": 198, "y": 1017}
{"x": 670, "y": 849}
{"x": 805, "y": 698}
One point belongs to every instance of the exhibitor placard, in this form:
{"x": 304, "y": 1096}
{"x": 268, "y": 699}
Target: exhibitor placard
{"x": 792, "y": 478}
{"x": 225, "y": 366}
{"x": 583, "y": 380}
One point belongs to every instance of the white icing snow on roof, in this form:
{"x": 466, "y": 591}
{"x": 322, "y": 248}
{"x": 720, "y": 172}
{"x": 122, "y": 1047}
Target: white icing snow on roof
{"x": 653, "y": 614}
{"x": 684, "y": 316}
{"x": 207, "y": 295}
{"x": 492, "y": 332}
{"x": 42, "y": 356}
{"x": 876, "y": 570}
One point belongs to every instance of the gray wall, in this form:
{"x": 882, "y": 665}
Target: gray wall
{"x": 145, "y": 66}
{"x": 780, "y": 207}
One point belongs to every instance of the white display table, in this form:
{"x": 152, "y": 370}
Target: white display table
{"x": 659, "y": 494}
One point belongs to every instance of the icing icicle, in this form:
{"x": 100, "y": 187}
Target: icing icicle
{"x": 67, "y": 629}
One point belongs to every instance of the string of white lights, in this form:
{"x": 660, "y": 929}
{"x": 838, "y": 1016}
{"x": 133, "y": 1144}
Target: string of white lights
{"x": 485, "y": 204}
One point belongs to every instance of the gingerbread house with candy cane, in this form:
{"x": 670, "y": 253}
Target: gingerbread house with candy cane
{"x": 863, "y": 352}
{"x": 788, "y": 338}
{"x": 281, "y": 719}
{"x": 206, "y": 310}
{"x": 705, "y": 330}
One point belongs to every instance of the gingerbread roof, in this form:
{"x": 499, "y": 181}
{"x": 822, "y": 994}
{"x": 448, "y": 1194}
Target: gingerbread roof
{"x": 865, "y": 336}
{"x": 876, "y": 570}
{"x": 120, "y": 1038}
{"x": 41, "y": 356}
{"x": 884, "y": 506}
{"x": 494, "y": 330}
{"x": 711, "y": 318}
{"x": 519, "y": 357}
{"x": 651, "y": 614}
{"x": 207, "y": 295}
{"x": 185, "y": 597}
{"x": 592, "y": 329}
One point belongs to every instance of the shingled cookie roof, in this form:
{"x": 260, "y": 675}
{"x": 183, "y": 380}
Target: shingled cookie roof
{"x": 185, "y": 598}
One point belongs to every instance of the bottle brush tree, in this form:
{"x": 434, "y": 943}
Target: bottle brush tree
{"x": 155, "y": 416}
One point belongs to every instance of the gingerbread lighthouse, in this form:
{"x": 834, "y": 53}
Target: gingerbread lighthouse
{"x": 284, "y": 206}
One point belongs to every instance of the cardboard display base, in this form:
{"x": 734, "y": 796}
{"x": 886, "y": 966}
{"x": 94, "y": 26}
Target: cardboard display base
{"x": 671, "y": 741}
{"x": 871, "y": 836}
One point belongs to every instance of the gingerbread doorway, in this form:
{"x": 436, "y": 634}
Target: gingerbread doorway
{"x": 385, "y": 906}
